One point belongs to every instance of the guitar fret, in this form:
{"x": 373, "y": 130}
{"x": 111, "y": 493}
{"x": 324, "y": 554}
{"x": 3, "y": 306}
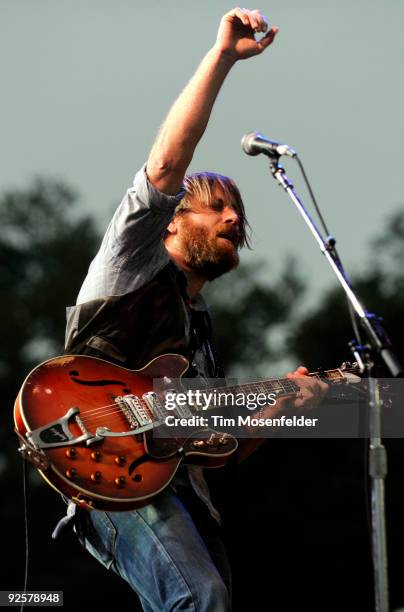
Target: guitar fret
{"x": 279, "y": 386}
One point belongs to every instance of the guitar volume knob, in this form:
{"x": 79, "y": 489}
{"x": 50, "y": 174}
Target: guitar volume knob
{"x": 120, "y": 481}
{"x": 121, "y": 460}
{"x": 71, "y": 453}
{"x": 96, "y": 476}
{"x": 71, "y": 473}
{"x": 96, "y": 456}
{"x": 198, "y": 443}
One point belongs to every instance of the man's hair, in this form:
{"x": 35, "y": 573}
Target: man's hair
{"x": 198, "y": 187}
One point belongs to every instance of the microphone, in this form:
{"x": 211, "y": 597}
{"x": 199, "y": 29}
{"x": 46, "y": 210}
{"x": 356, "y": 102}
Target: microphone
{"x": 255, "y": 143}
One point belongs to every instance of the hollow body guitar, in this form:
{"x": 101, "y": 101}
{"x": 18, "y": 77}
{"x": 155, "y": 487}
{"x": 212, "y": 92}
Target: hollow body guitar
{"x": 72, "y": 411}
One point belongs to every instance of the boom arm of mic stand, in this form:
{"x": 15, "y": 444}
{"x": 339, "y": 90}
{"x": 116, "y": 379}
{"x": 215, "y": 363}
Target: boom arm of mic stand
{"x": 377, "y": 337}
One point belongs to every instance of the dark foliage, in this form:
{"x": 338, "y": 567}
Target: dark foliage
{"x": 297, "y": 505}
{"x": 323, "y": 334}
{"x": 246, "y": 310}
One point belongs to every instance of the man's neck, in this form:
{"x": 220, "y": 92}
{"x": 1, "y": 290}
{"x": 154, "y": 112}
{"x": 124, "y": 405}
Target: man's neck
{"x": 195, "y": 281}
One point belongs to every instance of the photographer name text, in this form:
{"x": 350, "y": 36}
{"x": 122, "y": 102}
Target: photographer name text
{"x": 216, "y": 420}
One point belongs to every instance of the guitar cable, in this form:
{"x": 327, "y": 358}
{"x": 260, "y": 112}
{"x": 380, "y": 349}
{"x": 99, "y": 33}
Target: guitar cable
{"x": 25, "y": 505}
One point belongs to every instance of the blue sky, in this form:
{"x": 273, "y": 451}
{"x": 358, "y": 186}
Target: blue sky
{"x": 86, "y": 85}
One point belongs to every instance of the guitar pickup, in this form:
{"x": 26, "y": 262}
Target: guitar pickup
{"x": 134, "y": 410}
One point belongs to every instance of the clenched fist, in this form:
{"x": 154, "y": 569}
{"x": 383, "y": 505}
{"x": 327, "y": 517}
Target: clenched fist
{"x": 236, "y": 35}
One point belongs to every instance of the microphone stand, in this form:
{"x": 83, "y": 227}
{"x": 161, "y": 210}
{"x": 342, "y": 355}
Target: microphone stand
{"x": 377, "y": 351}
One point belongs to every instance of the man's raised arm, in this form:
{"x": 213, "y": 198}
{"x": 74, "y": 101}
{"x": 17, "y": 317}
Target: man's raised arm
{"x": 186, "y": 122}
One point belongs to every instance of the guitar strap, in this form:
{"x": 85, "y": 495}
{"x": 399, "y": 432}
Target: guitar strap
{"x": 201, "y": 338}
{"x": 200, "y": 334}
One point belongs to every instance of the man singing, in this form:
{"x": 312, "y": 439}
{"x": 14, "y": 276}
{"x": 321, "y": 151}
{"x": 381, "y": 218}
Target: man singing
{"x": 141, "y": 298}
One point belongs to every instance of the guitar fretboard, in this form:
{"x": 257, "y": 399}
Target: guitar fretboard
{"x": 278, "y": 387}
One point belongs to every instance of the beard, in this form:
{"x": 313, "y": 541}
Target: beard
{"x": 210, "y": 256}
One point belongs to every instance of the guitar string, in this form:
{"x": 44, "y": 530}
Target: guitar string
{"x": 117, "y": 412}
{"x": 88, "y": 416}
{"x": 288, "y": 386}
{"x": 114, "y": 415}
{"x": 115, "y": 420}
{"x": 99, "y": 408}
{"x": 247, "y": 387}
{"x": 102, "y": 411}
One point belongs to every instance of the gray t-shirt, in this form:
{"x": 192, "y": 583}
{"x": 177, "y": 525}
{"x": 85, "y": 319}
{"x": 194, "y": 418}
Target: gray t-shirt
{"x": 132, "y": 252}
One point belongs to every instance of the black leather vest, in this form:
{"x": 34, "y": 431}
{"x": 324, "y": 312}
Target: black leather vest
{"x": 133, "y": 328}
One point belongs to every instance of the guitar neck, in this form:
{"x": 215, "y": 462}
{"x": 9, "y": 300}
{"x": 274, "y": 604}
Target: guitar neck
{"x": 274, "y": 387}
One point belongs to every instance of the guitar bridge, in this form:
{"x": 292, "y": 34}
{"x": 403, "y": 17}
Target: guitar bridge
{"x": 138, "y": 415}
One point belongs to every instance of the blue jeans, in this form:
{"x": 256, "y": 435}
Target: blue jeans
{"x": 172, "y": 560}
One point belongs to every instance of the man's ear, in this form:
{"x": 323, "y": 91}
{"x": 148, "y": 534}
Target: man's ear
{"x": 172, "y": 228}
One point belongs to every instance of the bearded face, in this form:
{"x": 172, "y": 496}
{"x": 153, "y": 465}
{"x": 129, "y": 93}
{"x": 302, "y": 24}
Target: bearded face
{"x": 209, "y": 250}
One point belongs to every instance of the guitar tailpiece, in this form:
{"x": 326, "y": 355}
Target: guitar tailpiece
{"x": 57, "y": 433}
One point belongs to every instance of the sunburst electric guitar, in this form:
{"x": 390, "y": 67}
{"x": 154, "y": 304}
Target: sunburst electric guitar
{"x": 87, "y": 425}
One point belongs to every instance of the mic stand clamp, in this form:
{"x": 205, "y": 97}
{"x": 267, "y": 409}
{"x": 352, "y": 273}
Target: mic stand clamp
{"x": 377, "y": 351}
